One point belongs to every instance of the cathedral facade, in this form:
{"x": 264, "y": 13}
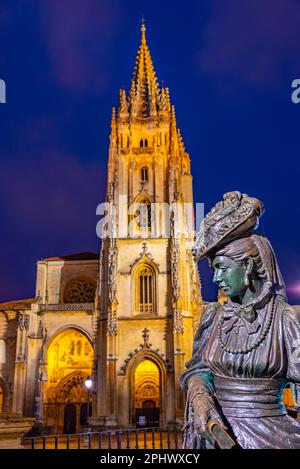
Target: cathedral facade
{"x": 125, "y": 318}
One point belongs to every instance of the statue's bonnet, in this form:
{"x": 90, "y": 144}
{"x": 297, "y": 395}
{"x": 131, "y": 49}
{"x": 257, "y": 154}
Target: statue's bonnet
{"x": 235, "y": 216}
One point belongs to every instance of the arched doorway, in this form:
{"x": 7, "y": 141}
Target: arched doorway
{"x": 147, "y": 394}
{"x": 70, "y": 358}
{"x": 70, "y": 418}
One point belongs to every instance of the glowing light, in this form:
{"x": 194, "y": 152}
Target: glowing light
{"x": 88, "y": 383}
{"x": 294, "y": 288}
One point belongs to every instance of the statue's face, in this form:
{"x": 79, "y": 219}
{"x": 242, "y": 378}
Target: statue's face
{"x": 229, "y": 276}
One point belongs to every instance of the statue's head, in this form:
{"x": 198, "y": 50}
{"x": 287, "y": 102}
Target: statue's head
{"x": 240, "y": 257}
{"x": 230, "y": 276}
{"x": 236, "y": 266}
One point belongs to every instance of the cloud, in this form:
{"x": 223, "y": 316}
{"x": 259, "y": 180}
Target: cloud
{"x": 254, "y": 42}
{"x": 79, "y": 36}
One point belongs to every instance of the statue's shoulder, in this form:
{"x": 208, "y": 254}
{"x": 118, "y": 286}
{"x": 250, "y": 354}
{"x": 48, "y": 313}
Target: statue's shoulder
{"x": 211, "y": 308}
{"x": 206, "y": 321}
{"x": 209, "y": 313}
{"x": 288, "y": 313}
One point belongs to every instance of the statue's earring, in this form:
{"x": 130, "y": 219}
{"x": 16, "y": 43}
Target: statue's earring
{"x": 246, "y": 280}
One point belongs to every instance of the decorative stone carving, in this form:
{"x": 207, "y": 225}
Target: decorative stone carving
{"x": 112, "y": 270}
{"x": 112, "y": 322}
{"x": 22, "y": 321}
{"x": 178, "y": 321}
{"x": 80, "y": 291}
{"x": 146, "y": 338}
{"x": 73, "y": 389}
{"x": 145, "y": 254}
{"x": 68, "y": 307}
{"x": 123, "y": 106}
{"x": 175, "y": 255}
{"x": 145, "y": 346}
{"x": 140, "y": 150}
{"x": 175, "y": 260}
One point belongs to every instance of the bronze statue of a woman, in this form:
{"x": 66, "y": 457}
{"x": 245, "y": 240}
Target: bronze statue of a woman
{"x": 245, "y": 351}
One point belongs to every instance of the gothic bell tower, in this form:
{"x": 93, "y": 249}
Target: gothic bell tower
{"x": 149, "y": 297}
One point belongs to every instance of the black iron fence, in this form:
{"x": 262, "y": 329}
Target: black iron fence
{"x": 142, "y": 438}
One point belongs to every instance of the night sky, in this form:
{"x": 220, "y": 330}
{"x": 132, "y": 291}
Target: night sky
{"x": 229, "y": 65}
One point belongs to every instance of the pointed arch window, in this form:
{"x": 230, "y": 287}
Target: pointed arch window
{"x": 144, "y": 174}
{"x": 143, "y": 142}
{"x": 145, "y": 290}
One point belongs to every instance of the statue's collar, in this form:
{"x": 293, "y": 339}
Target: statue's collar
{"x": 234, "y": 312}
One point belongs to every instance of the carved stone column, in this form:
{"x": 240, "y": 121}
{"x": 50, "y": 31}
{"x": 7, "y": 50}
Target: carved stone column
{"x": 106, "y": 348}
{"x": 42, "y": 378}
{"x": 20, "y": 364}
{"x": 111, "y": 333}
{"x": 178, "y": 325}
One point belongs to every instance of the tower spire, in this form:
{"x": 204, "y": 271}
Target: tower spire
{"x": 143, "y": 28}
{"x": 144, "y": 80}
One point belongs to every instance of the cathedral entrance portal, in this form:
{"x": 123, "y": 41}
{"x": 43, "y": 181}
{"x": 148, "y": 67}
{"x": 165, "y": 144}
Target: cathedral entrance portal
{"x": 147, "y": 394}
{"x": 70, "y": 360}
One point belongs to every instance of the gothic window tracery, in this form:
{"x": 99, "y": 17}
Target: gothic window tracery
{"x": 145, "y": 290}
{"x": 80, "y": 291}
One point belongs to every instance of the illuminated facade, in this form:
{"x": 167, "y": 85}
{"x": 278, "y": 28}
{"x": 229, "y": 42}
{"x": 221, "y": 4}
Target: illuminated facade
{"x": 126, "y": 318}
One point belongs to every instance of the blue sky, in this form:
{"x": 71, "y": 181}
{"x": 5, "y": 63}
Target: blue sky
{"x": 229, "y": 65}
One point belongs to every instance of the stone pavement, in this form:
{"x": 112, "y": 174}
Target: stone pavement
{"x": 11, "y": 443}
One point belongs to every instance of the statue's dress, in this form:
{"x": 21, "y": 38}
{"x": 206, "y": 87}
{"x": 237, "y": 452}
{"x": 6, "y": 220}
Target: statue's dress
{"x": 248, "y": 386}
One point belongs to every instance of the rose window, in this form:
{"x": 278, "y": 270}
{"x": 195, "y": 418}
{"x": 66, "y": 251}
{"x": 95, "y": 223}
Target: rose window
{"x": 80, "y": 291}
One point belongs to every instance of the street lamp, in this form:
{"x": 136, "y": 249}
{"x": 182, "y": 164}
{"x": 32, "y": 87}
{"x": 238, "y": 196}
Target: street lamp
{"x": 88, "y": 384}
